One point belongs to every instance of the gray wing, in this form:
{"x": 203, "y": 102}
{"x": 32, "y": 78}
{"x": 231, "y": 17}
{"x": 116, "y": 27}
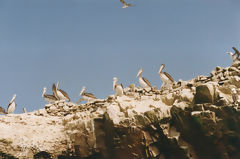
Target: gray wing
{"x": 65, "y": 94}
{"x": 50, "y": 96}
{"x": 148, "y": 83}
{"x": 90, "y": 95}
{"x": 54, "y": 90}
{"x": 123, "y": 2}
{"x": 236, "y": 51}
{"x": 170, "y": 77}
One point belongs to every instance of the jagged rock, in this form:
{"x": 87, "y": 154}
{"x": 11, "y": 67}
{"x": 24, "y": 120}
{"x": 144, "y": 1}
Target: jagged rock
{"x": 168, "y": 99}
{"x": 205, "y": 94}
{"x": 235, "y": 80}
{"x": 186, "y": 95}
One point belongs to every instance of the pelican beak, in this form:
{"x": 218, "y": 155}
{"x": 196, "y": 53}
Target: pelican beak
{"x": 82, "y": 91}
{"x": 139, "y": 73}
{"x": 159, "y": 71}
{"x": 13, "y": 98}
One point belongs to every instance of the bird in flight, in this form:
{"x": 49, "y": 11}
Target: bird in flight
{"x": 125, "y": 5}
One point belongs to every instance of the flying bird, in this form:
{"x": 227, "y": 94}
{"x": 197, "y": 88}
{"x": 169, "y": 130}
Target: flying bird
{"x": 165, "y": 77}
{"x": 59, "y": 93}
{"x": 87, "y": 96}
{"x": 125, "y": 5}
{"x": 143, "y": 81}
{"x": 234, "y": 56}
{"x": 118, "y": 88}
{"x": 11, "y": 105}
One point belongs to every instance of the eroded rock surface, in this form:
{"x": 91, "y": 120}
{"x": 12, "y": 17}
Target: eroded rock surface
{"x": 194, "y": 119}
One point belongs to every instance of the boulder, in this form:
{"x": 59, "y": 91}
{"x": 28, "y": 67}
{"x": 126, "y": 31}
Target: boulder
{"x": 205, "y": 94}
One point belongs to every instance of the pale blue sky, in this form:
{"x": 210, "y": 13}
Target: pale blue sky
{"x": 88, "y": 42}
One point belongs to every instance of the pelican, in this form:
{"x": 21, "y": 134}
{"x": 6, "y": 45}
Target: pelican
{"x": 234, "y": 56}
{"x": 235, "y": 96}
{"x": 87, "y": 96}
{"x": 49, "y": 98}
{"x": 11, "y": 105}
{"x": 143, "y": 81}
{"x": 2, "y": 110}
{"x": 59, "y": 93}
{"x": 165, "y": 77}
{"x": 125, "y": 5}
{"x": 118, "y": 88}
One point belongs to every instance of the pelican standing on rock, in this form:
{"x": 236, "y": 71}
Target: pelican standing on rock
{"x": 87, "y": 96}
{"x": 234, "y": 56}
{"x": 143, "y": 81}
{"x": 165, "y": 77}
{"x": 49, "y": 98}
{"x": 125, "y": 5}
{"x": 59, "y": 93}
{"x": 118, "y": 88}
{"x": 11, "y": 105}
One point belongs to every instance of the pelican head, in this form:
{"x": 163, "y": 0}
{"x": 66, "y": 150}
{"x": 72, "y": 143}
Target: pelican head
{"x": 161, "y": 68}
{"x": 115, "y": 79}
{"x": 44, "y": 91}
{"x": 83, "y": 90}
{"x": 234, "y": 91}
{"x": 13, "y": 98}
{"x": 140, "y": 72}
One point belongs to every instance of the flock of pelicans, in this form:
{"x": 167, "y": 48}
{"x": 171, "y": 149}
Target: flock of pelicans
{"x": 61, "y": 95}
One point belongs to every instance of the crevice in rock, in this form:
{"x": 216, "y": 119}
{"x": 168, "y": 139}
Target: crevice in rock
{"x": 42, "y": 155}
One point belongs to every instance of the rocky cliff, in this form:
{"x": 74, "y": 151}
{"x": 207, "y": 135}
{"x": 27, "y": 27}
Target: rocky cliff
{"x": 195, "y": 119}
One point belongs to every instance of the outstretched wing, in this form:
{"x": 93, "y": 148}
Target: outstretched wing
{"x": 54, "y": 90}
{"x": 129, "y": 5}
{"x": 65, "y": 94}
{"x": 52, "y": 97}
{"x": 123, "y": 2}
{"x": 236, "y": 51}
{"x": 146, "y": 81}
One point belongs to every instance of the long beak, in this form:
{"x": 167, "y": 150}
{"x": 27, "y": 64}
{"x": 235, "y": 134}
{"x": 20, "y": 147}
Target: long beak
{"x": 13, "y": 98}
{"x": 82, "y": 91}
{"x": 57, "y": 85}
{"x": 139, "y": 73}
{"x": 159, "y": 70}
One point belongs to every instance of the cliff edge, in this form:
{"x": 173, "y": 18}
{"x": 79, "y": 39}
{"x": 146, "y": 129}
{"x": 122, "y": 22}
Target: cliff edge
{"x": 195, "y": 119}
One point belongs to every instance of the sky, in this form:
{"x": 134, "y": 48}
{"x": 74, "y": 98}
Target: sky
{"x": 88, "y": 42}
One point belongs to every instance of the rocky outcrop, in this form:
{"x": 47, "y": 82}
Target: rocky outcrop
{"x": 194, "y": 119}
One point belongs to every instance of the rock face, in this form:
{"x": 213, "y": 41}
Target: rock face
{"x": 194, "y": 119}
{"x": 205, "y": 94}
